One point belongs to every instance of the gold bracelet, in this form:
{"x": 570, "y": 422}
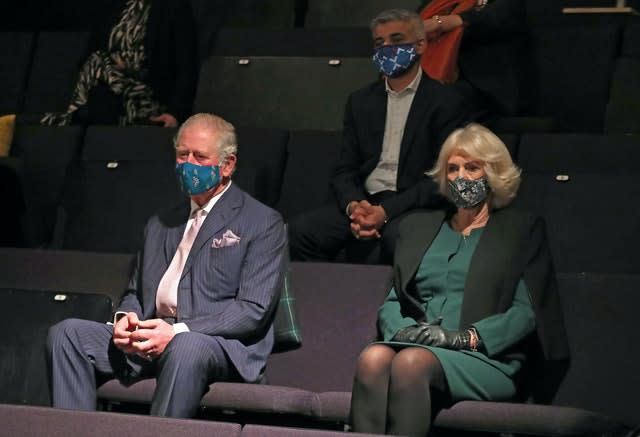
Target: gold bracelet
{"x": 473, "y": 341}
{"x": 438, "y": 19}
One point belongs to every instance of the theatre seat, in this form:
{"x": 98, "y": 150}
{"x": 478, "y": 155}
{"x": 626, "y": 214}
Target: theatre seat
{"x": 12, "y": 201}
{"x": 631, "y": 39}
{"x": 65, "y": 270}
{"x": 311, "y": 156}
{"x": 572, "y": 69}
{"x": 46, "y": 153}
{"x": 578, "y": 153}
{"x": 28, "y": 421}
{"x": 54, "y": 71}
{"x": 582, "y": 186}
{"x": 262, "y": 157}
{"x": 287, "y": 92}
{"x": 311, "y": 386}
{"x": 337, "y": 306}
{"x": 278, "y": 431}
{"x": 325, "y": 42}
{"x": 599, "y": 392}
{"x": 125, "y": 175}
{"x": 258, "y": 13}
{"x": 623, "y": 107}
{"x": 16, "y": 49}
{"x": 350, "y": 13}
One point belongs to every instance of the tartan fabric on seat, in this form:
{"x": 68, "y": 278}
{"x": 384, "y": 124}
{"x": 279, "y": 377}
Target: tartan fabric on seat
{"x": 286, "y": 331}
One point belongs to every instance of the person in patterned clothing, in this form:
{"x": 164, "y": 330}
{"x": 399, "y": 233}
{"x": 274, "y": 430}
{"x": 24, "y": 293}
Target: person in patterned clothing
{"x": 146, "y": 72}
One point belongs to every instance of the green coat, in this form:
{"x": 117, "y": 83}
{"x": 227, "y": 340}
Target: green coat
{"x": 502, "y": 283}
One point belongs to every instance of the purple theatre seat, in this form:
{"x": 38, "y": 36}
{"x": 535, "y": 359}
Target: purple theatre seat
{"x": 337, "y": 306}
{"x": 28, "y": 421}
{"x": 275, "y": 431}
{"x": 65, "y": 270}
{"x": 601, "y": 390}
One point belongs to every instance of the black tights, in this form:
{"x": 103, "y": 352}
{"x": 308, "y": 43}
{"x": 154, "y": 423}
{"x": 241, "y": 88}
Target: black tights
{"x": 392, "y": 391}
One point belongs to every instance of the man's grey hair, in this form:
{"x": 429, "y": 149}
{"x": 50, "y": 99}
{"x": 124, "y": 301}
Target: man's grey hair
{"x": 227, "y": 143}
{"x": 399, "y": 15}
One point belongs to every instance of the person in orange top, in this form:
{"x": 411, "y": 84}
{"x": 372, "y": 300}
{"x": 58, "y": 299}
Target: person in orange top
{"x": 492, "y": 54}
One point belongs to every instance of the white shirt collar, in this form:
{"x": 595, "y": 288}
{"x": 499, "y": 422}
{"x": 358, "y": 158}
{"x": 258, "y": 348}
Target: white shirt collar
{"x": 413, "y": 85}
{"x": 209, "y": 205}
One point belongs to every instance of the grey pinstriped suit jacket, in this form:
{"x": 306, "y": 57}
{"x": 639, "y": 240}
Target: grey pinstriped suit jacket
{"x": 230, "y": 291}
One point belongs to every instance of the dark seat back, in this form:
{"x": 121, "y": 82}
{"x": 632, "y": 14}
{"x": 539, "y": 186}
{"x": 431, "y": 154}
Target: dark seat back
{"x": 258, "y": 13}
{"x": 44, "y": 287}
{"x": 46, "y": 153}
{"x": 631, "y": 39}
{"x": 54, "y": 70}
{"x": 326, "y": 42}
{"x": 23, "y": 377}
{"x": 12, "y": 200}
{"x": 16, "y": 50}
{"x": 351, "y": 13}
{"x": 599, "y": 311}
{"x": 573, "y": 66}
{"x": 280, "y": 92}
{"x": 126, "y": 175}
{"x": 261, "y": 162}
{"x": 623, "y": 108}
{"x": 337, "y": 306}
{"x": 67, "y": 270}
{"x": 584, "y": 187}
{"x": 311, "y": 155}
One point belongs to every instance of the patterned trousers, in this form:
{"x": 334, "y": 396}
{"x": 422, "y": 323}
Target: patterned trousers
{"x": 138, "y": 99}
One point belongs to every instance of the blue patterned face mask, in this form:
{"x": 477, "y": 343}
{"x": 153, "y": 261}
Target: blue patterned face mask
{"x": 467, "y": 193}
{"x": 394, "y": 59}
{"x": 197, "y": 179}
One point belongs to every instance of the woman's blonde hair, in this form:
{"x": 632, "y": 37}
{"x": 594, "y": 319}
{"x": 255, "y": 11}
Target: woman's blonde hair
{"x": 478, "y": 142}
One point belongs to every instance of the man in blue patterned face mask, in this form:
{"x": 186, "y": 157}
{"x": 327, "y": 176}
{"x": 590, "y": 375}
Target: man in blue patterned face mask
{"x": 203, "y": 171}
{"x": 394, "y": 60}
{"x": 393, "y": 129}
{"x": 219, "y": 251}
{"x": 398, "y": 45}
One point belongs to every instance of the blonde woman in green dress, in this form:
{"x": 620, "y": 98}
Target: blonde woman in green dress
{"x": 474, "y": 297}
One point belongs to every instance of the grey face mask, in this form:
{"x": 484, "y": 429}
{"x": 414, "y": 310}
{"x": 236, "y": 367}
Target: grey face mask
{"x": 467, "y": 193}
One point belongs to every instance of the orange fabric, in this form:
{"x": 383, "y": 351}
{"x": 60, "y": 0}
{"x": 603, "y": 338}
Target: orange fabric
{"x": 440, "y": 58}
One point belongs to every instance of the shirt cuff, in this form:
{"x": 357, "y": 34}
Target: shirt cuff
{"x": 118, "y": 315}
{"x": 180, "y": 327}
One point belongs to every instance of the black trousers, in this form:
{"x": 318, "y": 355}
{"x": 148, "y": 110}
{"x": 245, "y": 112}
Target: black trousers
{"x": 324, "y": 233}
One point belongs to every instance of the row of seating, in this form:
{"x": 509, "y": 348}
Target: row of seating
{"x": 336, "y": 306}
{"x": 71, "y": 14}
{"x": 94, "y": 190}
{"x": 253, "y": 76}
{"x": 28, "y": 421}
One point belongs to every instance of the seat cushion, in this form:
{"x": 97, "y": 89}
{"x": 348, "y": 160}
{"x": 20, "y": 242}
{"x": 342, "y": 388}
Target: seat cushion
{"x": 260, "y": 398}
{"x": 512, "y": 418}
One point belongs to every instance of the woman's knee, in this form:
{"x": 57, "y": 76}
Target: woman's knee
{"x": 374, "y": 360}
{"x": 414, "y": 363}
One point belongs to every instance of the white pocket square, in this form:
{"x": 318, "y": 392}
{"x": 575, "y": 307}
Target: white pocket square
{"x": 228, "y": 239}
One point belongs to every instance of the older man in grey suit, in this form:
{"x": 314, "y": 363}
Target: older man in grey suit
{"x": 201, "y": 301}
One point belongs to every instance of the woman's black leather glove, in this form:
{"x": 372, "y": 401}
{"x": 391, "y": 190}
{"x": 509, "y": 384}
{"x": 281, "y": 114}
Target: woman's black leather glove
{"x": 410, "y": 334}
{"x": 435, "y": 335}
{"x": 432, "y": 334}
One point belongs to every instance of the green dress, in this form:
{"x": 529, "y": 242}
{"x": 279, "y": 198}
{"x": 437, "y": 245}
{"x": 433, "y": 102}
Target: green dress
{"x": 440, "y": 283}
